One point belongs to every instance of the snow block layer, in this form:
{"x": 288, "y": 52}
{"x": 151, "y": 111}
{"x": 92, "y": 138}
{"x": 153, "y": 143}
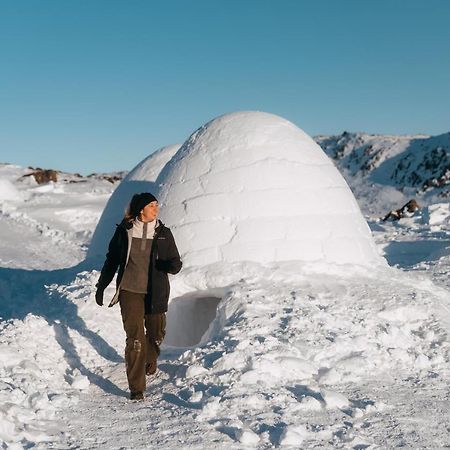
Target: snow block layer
{"x": 140, "y": 179}
{"x": 251, "y": 186}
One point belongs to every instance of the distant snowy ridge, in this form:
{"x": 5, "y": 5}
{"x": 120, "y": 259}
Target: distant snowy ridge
{"x": 418, "y": 162}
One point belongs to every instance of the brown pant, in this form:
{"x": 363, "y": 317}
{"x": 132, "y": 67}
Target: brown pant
{"x": 142, "y": 347}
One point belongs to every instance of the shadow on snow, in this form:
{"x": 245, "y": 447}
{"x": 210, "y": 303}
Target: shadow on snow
{"x": 24, "y": 292}
{"x": 406, "y": 254}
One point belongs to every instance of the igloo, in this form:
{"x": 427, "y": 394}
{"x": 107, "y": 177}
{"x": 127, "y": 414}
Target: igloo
{"x": 140, "y": 179}
{"x": 252, "y": 186}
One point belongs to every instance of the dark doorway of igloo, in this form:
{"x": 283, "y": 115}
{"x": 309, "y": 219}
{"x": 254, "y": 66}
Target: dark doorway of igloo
{"x": 188, "y": 318}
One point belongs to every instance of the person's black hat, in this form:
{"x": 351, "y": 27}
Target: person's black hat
{"x": 140, "y": 201}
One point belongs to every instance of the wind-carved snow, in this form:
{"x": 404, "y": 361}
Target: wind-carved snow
{"x": 252, "y": 186}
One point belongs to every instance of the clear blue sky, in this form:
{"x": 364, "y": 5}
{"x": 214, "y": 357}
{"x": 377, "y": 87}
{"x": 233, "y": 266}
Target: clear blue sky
{"x": 90, "y": 85}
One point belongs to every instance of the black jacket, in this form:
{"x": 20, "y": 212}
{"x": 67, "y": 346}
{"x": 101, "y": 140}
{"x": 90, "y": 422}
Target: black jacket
{"x": 164, "y": 259}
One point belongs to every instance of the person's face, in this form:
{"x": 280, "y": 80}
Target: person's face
{"x": 150, "y": 212}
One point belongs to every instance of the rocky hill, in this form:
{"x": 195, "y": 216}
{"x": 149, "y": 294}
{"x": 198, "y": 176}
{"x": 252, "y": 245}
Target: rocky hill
{"x": 418, "y": 164}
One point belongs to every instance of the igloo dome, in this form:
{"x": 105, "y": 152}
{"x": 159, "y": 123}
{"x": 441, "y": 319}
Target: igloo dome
{"x": 140, "y": 179}
{"x": 252, "y": 186}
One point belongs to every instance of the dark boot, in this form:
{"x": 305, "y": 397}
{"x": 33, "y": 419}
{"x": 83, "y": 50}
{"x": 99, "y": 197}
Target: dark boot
{"x": 137, "y": 396}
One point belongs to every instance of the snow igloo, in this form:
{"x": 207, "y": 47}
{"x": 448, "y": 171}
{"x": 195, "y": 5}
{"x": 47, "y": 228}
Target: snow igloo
{"x": 252, "y": 186}
{"x": 247, "y": 186}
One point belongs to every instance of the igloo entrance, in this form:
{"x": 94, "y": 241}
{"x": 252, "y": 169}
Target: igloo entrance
{"x": 188, "y": 318}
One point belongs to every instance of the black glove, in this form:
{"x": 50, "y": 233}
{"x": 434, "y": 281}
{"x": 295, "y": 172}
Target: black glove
{"x": 99, "y": 297}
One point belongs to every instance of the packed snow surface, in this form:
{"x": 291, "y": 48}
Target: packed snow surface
{"x": 287, "y": 354}
{"x": 56, "y": 220}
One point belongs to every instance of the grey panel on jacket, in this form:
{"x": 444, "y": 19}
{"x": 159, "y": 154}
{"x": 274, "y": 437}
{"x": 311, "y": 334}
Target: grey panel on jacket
{"x": 135, "y": 277}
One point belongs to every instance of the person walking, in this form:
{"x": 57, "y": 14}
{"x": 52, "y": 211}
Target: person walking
{"x": 144, "y": 252}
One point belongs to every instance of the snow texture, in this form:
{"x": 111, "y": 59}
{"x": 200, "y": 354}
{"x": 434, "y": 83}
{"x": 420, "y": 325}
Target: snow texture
{"x": 56, "y": 220}
{"x": 251, "y": 186}
{"x": 397, "y": 168}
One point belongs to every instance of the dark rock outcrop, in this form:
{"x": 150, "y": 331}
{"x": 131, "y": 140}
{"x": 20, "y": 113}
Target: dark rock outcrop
{"x": 43, "y": 176}
{"x": 112, "y": 178}
{"x": 397, "y": 214}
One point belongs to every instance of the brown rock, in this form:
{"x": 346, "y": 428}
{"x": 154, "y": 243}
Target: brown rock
{"x": 397, "y": 214}
{"x": 43, "y": 176}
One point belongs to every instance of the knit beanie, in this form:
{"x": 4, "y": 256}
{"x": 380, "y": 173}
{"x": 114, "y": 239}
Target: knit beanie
{"x": 140, "y": 201}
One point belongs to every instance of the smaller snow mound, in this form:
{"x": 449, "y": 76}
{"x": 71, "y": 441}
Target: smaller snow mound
{"x": 149, "y": 168}
{"x": 141, "y": 179}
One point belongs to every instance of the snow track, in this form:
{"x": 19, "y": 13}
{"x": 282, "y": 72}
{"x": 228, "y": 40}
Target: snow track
{"x": 43, "y": 241}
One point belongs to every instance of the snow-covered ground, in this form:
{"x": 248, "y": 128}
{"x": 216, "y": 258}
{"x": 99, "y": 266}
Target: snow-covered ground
{"x": 296, "y": 355}
{"x": 49, "y": 225}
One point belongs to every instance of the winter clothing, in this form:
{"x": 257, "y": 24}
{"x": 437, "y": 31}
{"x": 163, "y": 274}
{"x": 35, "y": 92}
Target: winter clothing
{"x": 143, "y": 253}
{"x": 164, "y": 259}
{"x": 99, "y": 298}
{"x": 141, "y": 349}
{"x": 144, "y": 230}
{"x": 137, "y": 396}
{"x": 155, "y": 325}
{"x": 140, "y": 201}
{"x": 135, "y": 278}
